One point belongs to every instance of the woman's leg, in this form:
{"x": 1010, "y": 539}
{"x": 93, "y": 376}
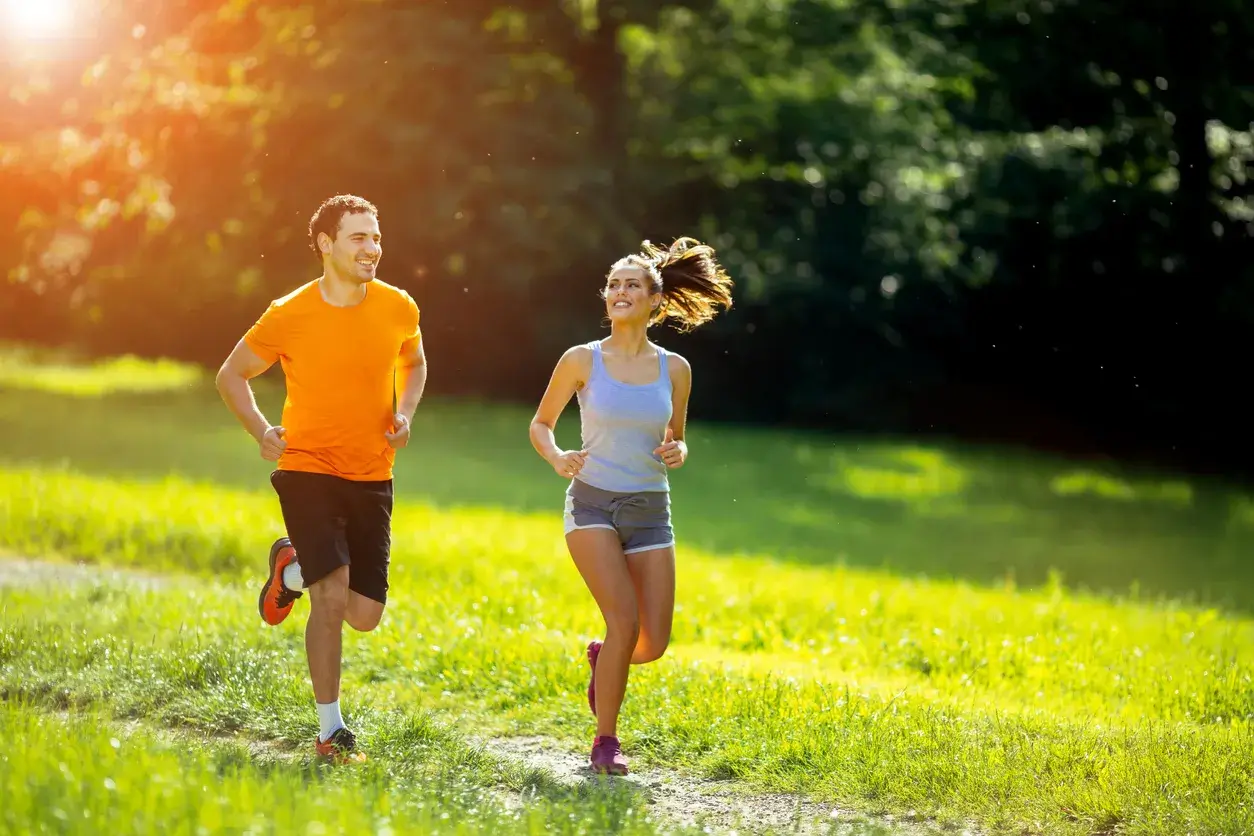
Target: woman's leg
{"x": 653, "y": 577}
{"x": 598, "y": 555}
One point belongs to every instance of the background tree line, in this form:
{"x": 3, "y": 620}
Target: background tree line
{"x": 1019, "y": 220}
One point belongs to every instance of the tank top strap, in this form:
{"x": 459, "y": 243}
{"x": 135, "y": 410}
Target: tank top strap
{"x": 663, "y": 372}
{"x": 598, "y": 366}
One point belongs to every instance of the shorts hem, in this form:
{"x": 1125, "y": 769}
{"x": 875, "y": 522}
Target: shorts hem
{"x": 312, "y": 571}
{"x": 636, "y": 549}
{"x": 380, "y": 598}
{"x": 571, "y": 528}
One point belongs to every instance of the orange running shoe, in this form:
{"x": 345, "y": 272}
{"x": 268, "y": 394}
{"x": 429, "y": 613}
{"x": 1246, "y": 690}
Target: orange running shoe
{"x": 340, "y": 747}
{"x": 276, "y": 600}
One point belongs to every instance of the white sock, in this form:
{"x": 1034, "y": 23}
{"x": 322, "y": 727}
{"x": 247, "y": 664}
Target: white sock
{"x": 330, "y": 719}
{"x": 291, "y": 576}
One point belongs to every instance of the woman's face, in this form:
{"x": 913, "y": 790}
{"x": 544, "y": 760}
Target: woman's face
{"x": 627, "y": 296}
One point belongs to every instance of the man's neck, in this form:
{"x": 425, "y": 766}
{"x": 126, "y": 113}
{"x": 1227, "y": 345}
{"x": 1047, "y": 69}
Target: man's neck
{"x": 342, "y": 294}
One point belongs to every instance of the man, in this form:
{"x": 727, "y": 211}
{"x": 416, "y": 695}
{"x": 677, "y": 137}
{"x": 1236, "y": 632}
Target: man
{"x": 348, "y": 344}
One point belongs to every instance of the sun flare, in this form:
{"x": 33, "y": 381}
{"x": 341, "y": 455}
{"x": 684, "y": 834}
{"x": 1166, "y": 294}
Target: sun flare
{"x": 36, "y": 18}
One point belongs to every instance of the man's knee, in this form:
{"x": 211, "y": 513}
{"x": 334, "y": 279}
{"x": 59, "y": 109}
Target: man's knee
{"x": 329, "y": 596}
{"x": 364, "y": 619}
{"x": 363, "y": 613}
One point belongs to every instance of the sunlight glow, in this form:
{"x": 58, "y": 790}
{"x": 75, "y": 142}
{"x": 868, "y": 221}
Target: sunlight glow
{"x": 34, "y": 19}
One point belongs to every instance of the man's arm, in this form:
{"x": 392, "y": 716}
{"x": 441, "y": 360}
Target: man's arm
{"x": 411, "y": 379}
{"x": 233, "y": 378}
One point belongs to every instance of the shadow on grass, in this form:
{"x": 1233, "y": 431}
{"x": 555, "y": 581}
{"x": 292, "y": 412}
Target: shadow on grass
{"x": 983, "y": 515}
{"x": 614, "y": 793}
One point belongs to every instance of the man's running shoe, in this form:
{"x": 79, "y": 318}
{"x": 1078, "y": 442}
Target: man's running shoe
{"x": 276, "y": 600}
{"x": 340, "y": 747}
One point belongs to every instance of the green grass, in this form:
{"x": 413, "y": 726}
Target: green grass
{"x": 987, "y": 516}
{"x": 893, "y": 627}
{"x": 86, "y": 774}
{"x": 44, "y": 370}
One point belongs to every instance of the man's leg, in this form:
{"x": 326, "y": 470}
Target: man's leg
{"x": 354, "y": 594}
{"x": 315, "y": 514}
{"x": 332, "y": 603}
{"x": 328, "y": 603}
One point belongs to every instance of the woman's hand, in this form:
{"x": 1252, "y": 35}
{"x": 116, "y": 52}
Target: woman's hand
{"x": 673, "y": 453}
{"x": 568, "y": 464}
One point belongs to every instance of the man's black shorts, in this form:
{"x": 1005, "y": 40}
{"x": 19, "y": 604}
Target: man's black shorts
{"x": 334, "y": 522}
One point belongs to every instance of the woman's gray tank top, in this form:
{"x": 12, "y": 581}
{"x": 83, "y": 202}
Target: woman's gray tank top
{"x": 622, "y": 423}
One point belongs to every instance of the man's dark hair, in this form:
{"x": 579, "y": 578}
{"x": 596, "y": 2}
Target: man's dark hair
{"x": 328, "y": 216}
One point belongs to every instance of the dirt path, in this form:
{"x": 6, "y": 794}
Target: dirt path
{"x": 672, "y": 798}
{"x": 20, "y": 571}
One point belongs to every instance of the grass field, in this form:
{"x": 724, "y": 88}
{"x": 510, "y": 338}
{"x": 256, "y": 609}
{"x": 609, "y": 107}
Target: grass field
{"x": 1027, "y": 644}
{"x": 86, "y": 773}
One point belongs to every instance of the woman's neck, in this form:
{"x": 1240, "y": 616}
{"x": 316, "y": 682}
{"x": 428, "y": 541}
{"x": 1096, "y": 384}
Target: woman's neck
{"x": 628, "y": 340}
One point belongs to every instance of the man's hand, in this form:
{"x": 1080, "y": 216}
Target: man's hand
{"x": 399, "y": 436}
{"x": 273, "y": 444}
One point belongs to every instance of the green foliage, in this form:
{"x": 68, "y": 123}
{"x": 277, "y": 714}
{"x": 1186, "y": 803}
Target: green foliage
{"x": 947, "y": 186}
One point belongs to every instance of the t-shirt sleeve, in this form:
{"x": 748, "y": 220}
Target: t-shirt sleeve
{"x": 412, "y": 333}
{"x": 267, "y": 334}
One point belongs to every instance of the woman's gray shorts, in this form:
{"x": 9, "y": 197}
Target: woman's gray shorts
{"x": 642, "y": 520}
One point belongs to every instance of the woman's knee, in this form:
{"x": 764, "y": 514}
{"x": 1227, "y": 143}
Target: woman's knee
{"x": 623, "y": 625}
{"x": 651, "y": 646}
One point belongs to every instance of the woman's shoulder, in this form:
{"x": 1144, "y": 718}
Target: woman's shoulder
{"x": 582, "y": 351}
{"x": 577, "y": 357}
{"x": 676, "y": 363}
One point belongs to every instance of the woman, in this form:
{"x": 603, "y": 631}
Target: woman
{"x": 633, "y": 403}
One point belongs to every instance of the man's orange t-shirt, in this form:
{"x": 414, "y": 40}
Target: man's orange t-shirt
{"x": 340, "y": 365}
